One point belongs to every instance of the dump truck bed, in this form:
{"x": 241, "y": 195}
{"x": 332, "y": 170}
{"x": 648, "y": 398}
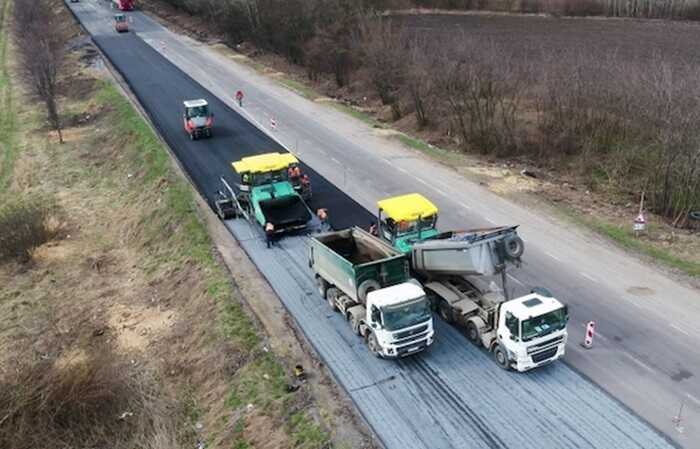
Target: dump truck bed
{"x": 462, "y": 253}
{"x": 350, "y": 257}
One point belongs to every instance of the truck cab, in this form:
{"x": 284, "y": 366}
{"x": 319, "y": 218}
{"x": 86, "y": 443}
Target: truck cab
{"x": 400, "y": 319}
{"x": 406, "y": 219}
{"x": 197, "y": 118}
{"x": 531, "y": 331}
{"x": 267, "y": 195}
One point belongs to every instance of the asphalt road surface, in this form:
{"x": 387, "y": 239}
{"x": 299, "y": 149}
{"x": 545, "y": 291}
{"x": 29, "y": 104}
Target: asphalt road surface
{"x": 648, "y": 352}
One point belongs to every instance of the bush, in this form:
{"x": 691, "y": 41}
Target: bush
{"x": 24, "y": 226}
{"x": 87, "y": 401}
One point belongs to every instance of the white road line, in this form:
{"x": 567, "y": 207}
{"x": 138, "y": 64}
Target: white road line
{"x": 681, "y": 330}
{"x": 425, "y": 183}
{"x": 639, "y": 362}
{"x": 464, "y": 205}
{"x": 335, "y": 160}
{"x": 589, "y": 277}
{"x": 515, "y": 279}
{"x": 489, "y": 220}
{"x": 634, "y": 303}
{"x": 553, "y": 256}
{"x": 693, "y": 398}
{"x": 402, "y": 170}
{"x": 386, "y": 160}
{"x": 441, "y": 192}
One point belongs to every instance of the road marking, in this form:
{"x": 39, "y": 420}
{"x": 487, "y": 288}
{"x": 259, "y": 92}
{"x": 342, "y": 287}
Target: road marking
{"x": 552, "y": 256}
{"x": 402, "y": 170}
{"x": 589, "y": 277}
{"x": 634, "y": 303}
{"x": 489, "y": 220}
{"x": 335, "y": 160}
{"x": 639, "y": 362}
{"x": 441, "y": 192}
{"x": 515, "y": 279}
{"x": 682, "y": 331}
{"x": 425, "y": 183}
{"x": 693, "y": 398}
{"x": 386, "y": 160}
{"x": 464, "y": 205}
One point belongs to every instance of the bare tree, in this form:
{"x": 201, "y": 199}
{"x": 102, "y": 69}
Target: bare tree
{"x": 382, "y": 44}
{"x": 41, "y": 39}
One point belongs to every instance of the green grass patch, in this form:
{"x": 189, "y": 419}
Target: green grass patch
{"x": 362, "y": 116}
{"x": 262, "y": 382}
{"x": 626, "y": 238}
{"x": 301, "y": 89}
{"x": 8, "y": 113}
{"x": 305, "y": 433}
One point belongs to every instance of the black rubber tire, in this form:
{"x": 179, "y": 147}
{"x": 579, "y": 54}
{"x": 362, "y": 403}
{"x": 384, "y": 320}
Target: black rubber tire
{"x": 445, "y": 312}
{"x": 514, "y": 247}
{"x": 365, "y": 287}
{"x": 373, "y": 345}
{"x": 501, "y": 357}
{"x": 473, "y": 333}
{"x": 331, "y": 295}
{"x": 322, "y": 286}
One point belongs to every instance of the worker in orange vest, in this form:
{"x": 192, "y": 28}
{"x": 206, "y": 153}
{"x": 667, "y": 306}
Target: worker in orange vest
{"x": 269, "y": 233}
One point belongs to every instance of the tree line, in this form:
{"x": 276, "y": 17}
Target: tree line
{"x": 626, "y": 124}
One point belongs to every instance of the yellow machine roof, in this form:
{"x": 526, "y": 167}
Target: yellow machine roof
{"x": 264, "y": 163}
{"x": 407, "y": 207}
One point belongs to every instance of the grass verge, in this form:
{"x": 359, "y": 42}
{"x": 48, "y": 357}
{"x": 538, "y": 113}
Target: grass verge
{"x": 626, "y": 239}
{"x": 8, "y": 120}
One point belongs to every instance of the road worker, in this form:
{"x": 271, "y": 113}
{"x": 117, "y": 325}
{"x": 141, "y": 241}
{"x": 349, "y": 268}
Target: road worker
{"x": 239, "y": 98}
{"x": 322, "y": 215}
{"x": 294, "y": 173}
{"x": 269, "y": 234}
{"x": 373, "y": 228}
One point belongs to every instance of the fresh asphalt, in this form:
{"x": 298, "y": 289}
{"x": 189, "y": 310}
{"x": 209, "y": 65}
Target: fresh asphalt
{"x": 160, "y": 88}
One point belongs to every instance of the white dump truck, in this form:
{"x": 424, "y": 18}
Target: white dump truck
{"x": 368, "y": 281}
{"x": 456, "y": 269}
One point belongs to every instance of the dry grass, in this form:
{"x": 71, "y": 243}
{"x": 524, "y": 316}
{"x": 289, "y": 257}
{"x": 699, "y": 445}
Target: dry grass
{"x": 130, "y": 308}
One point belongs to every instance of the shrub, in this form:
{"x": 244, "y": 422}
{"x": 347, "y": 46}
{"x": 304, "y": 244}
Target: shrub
{"x": 24, "y": 226}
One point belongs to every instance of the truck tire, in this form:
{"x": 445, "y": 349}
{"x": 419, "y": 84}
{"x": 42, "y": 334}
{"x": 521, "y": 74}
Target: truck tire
{"x": 514, "y": 247}
{"x": 331, "y": 296}
{"x": 366, "y": 287}
{"x": 322, "y": 286}
{"x": 473, "y": 333}
{"x": 501, "y": 357}
{"x": 446, "y": 312}
{"x": 373, "y": 345}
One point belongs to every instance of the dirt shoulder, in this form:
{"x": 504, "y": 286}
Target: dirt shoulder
{"x": 134, "y": 295}
{"x": 579, "y": 201}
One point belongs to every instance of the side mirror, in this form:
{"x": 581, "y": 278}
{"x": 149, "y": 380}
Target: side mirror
{"x": 373, "y": 325}
{"x": 514, "y": 338}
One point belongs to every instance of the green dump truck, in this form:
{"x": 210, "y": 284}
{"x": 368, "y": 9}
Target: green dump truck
{"x": 368, "y": 281}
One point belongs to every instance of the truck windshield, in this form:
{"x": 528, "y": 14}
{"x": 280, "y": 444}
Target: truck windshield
{"x": 197, "y": 111}
{"x": 545, "y": 324}
{"x": 406, "y": 314}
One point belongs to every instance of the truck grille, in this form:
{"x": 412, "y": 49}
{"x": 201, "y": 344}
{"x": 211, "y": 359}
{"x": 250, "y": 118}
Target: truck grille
{"x": 544, "y": 355}
{"x": 544, "y": 344}
{"x": 410, "y": 333}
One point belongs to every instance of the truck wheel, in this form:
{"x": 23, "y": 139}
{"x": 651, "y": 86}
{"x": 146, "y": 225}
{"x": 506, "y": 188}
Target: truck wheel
{"x": 373, "y": 345}
{"x": 473, "y": 332}
{"x": 514, "y": 247}
{"x": 322, "y": 286}
{"x": 366, "y": 287}
{"x": 501, "y": 356}
{"x": 331, "y": 296}
{"x": 446, "y": 312}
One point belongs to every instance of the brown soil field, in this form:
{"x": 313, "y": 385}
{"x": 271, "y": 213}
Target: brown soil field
{"x": 528, "y": 35}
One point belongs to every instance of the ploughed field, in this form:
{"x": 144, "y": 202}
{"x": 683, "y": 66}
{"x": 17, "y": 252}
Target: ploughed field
{"x": 624, "y": 38}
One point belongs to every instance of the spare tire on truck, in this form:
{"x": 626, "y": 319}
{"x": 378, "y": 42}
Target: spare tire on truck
{"x": 514, "y": 247}
{"x": 366, "y": 287}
